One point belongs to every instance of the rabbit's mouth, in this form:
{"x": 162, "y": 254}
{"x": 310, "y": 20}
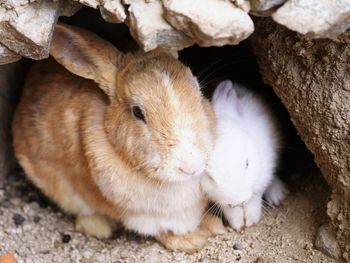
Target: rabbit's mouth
{"x": 192, "y": 172}
{"x": 234, "y": 205}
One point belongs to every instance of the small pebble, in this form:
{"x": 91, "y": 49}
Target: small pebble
{"x": 237, "y": 246}
{"x": 16, "y": 201}
{"x": 18, "y": 219}
{"x": 5, "y": 203}
{"x": 66, "y": 238}
{"x": 262, "y": 260}
{"x": 36, "y": 219}
{"x": 1, "y": 212}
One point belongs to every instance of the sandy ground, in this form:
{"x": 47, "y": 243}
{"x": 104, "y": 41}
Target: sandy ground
{"x": 37, "y": 231}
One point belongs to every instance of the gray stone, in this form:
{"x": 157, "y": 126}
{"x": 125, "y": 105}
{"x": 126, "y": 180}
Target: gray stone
{"x": 69, "y": 8}
{"x": 242, "y": 4}
{"x": 8, "y": 56}
{"x": 260, "y": 6}
{"x": 27, "y": 30}
{"x": 150, "y": 30}
{"x": 115, "y": 11}
{"x": 209, "y": 22}
{"x": 326, "y": 242}
{"x": 315, "y": 18}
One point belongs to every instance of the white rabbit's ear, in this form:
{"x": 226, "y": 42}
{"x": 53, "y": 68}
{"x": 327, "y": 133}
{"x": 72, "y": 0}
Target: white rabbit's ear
{"x": 225, "y": 100}
{"x": 222, "y": 89}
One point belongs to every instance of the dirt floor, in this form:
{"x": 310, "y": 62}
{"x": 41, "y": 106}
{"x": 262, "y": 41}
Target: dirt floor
{"x": 37, "y": 231}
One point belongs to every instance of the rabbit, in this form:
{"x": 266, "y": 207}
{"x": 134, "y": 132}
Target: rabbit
{"x": 242, "y": 164}
{"x": 114, "y": 137}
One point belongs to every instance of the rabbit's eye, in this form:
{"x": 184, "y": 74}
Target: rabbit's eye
{"x": 137, "y": 112}
{"x": 246, "y": 163}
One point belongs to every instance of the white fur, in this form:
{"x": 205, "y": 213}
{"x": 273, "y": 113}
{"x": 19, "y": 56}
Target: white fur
{"x": 276, "y": 192}
{"x": 245, "y": 154}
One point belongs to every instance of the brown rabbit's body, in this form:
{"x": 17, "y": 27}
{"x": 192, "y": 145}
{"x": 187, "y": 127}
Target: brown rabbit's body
{"x": 133, "y": 152}
{"x": 47, "y": 137}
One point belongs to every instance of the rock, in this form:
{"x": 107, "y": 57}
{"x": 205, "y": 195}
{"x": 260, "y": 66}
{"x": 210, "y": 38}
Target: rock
{"x": 150, "y": 30}
{"x": 263, "y": 260}
{"x": 238, "y": 246}
{"x": 18, "y": 219}
{"x": 242, "y": 4}
{"x": 311, "y": 77}
{"x": 264, "y": 6}
{"x": 91, "y": 3}
{"x": 315, "y": 18}
{"x": 27, "y": 30}
{"x": 36, "y": 219}
{"x": 209, "y": 22}
{"x": 66, "y": 238}
{"x": 16, "y": 201}
{"x": 8, "y": 56}
{"x": 69, "y": 8}
{"x": 326, "y": 242}
{"x": 113, "y": 11}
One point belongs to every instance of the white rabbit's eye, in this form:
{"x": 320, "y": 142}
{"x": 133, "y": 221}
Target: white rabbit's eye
{"x": 246, "y": 163}
{"x": 137, "y": 112}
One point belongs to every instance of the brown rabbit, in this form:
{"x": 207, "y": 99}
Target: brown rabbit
{"x": 130, "y": 145}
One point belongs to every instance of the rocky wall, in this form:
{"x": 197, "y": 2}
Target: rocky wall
{"x": 312, "y": 78}
{"x": 26, "y": 26}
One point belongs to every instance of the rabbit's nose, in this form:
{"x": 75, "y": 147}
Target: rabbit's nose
{"x": 189, "y": 160}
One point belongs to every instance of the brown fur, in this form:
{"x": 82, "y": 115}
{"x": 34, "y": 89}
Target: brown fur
{"x": 81, "y": 145}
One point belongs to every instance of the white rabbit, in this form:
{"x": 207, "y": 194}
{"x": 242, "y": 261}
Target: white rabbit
{"x": 242, "y": 165}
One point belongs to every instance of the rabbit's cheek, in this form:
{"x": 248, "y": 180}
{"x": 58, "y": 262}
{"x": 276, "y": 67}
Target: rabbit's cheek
{"x": 154, "y": 158}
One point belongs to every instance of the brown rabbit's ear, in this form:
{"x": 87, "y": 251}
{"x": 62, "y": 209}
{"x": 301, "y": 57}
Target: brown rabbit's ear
{"x": 86, "y": 55}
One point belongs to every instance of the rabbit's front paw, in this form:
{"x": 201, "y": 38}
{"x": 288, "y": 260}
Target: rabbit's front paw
{"x": 252, "y": 212}
{"x": 276, "y": 192}
{"x": 235, "y": 217}
{"x": 94, "y": 225}
{"x": 246, "y": 215}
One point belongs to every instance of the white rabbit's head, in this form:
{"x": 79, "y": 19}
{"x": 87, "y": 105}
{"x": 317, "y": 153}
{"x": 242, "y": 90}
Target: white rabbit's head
{"x": 234, "y": 164}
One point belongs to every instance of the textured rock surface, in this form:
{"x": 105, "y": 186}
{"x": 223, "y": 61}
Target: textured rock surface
{"x": 312, "y": 79}
{"x": 315, "y": 18}
{"x": 209, "y": 22}
{"x": 242, "y": 4}
{"x": 27, "y": 29}
{"x": 69, "y": 8}
{"x": 264, "y": 7}
{"x": 7, "y": 56}
{"x": 26, "y": 26}
{"x": 149, "y": 28}
{"x": 326, "y": 242}
{"x": 111, "y": 10}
